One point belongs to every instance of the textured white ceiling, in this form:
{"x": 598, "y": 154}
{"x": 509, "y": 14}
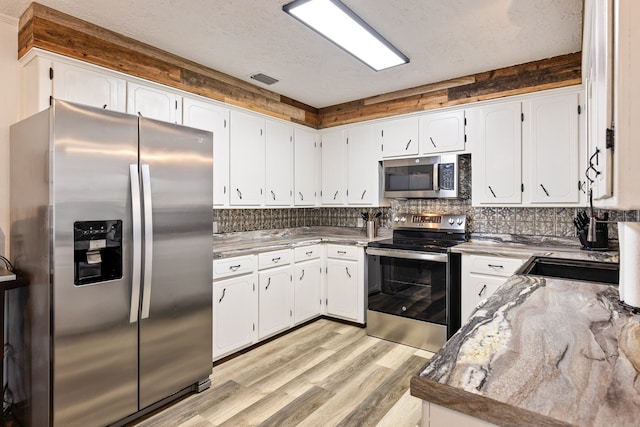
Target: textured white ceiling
{"x": 443, "y": 38}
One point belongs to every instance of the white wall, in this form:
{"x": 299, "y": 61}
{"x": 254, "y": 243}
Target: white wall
{"x": 8, "y": 115}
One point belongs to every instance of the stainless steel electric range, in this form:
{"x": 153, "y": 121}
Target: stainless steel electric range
{"x": 414, "y": 281}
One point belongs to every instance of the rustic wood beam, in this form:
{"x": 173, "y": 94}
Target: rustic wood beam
{"x": 48, "y": 29}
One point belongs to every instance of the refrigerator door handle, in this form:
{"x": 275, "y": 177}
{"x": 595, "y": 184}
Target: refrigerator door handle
{"x": 136, "y": 211}
{"x": 148, "y": 240}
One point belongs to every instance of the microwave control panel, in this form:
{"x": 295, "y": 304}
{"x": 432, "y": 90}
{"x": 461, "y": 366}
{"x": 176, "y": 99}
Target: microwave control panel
{"x": 447, "y": 176}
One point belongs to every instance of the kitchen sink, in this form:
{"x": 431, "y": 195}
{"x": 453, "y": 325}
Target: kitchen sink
{"x": 571, "y": 269}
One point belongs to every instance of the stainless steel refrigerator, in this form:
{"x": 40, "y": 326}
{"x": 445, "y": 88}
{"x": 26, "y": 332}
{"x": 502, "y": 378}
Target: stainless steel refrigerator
{"x": 111, "y": 221}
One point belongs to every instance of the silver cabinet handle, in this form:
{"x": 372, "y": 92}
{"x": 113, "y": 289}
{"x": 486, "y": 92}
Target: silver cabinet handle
{"x": 301, "y": 196}
{"x": 136, "y": 211}
{"x": 491, "y": 189}
{"x": 408, "y": 144}
{"x": 348, "y": 274}
{"x": 335, "y": 195}
{"x": 436, "y": 177}
{"x": 484, "y": 288}
{"x": 302, "y": 276}
{"x": 222, "y": 297}
{"x": 234, "y": 267}
{"x": 239, "y": 193}
{"x": 273, "y": 195}
{"x": 433, "y": 143}
{"x": 148, "y": 241}
{"x": 268, "y": 284}
{"x": 363, "y": 193}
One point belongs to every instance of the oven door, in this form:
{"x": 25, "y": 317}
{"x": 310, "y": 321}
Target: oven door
{"x": 408, "y": 284}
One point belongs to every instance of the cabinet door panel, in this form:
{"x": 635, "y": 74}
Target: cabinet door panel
{"x": 88, "y": 87}
{"x": 497, "y": 140}
{"x": 442, "y": 132}
{"x": 477, "y": 287}
{"x": 279, "y": 164}
{"x": 400, "y": 137}
{"x": 334, "y": 168}
{"x": 342, "y": 288}
{"x": 551, "y": 148}
{"x": 235, "y": 308}
{"x": 207, "y": 116}
{"x": 363, "y": 175}
{"x": 305, "y": 152}
{"x": 154, "y": 103}
{"x": 247, "y": 159}
{"x": 307, "y": 302}
{"x": 276, "y": 289}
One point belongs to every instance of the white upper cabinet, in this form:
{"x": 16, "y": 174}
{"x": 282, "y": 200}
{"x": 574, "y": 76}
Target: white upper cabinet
{"x": 43, "y": 78}
{"x": 334, "y": 168}
{"x": 363, "y": 170}
{"x": 154, "y": 103}
{"x": 442, "y": 132}
{"x": 306, "y": 155}
{"x": 278, "y": 164}
{"x": 247, "y": 159}
{"x": 398, "y": 137}
{"x": 495, "y": 133}
{"x": 550, "y": 149}
{"x": 208, "y": 116}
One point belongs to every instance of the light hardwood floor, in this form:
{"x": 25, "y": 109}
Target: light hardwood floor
{"x": 323, "y": 374}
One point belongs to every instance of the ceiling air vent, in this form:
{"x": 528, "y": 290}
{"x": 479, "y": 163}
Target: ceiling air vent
{"x": 263, "y": 78}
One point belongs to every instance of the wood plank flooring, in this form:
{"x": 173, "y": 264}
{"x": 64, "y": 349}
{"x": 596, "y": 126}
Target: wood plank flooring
{"x": 323, "y": 374}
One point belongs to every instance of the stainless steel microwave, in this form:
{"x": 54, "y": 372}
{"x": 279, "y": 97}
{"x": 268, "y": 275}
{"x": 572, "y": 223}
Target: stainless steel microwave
{"x": 421, "y": 178}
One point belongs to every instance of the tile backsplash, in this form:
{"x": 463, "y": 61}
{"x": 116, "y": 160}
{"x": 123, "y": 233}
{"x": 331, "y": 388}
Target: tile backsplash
{"x": 548, "y": 222}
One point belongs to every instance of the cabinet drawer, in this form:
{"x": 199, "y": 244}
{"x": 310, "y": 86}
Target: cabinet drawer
{"x": 274, "y": 258}
{"x": 497, "y": 266}
{"x": 233, "y": 266}
{"x": 305, "y": 253}
{"x": 342, "y": 252}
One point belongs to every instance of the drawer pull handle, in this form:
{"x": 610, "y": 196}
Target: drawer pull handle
{"x": 302, "y": 276}
{"x": 234, "y": 267}
{"x": 309, "y": 253}
{"x": 224, "y": 291}
{"x": 275, "y": 260}
{"x": 495, "y": 266}
{"x": 348, "y": 274}
{"x": 342, "y": 252}
{"x": 484, "y": 288}
{"x": 268, "y": 284}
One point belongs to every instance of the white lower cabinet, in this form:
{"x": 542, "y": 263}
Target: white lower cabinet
{"x": 307, "y": 279}
{"x": 345, "y": 282}
{"x": 438, "y": 416}
{"x": 235, "y": 314}
{"x": 275, "y": 301}
{"x": 482, "y": 276}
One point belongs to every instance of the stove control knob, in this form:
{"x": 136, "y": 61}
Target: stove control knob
{"x": 396, "y": 219}
{"x": 451, "y": 221}
{"x": 403, "y": 219}
{"x": 459, "y": 221}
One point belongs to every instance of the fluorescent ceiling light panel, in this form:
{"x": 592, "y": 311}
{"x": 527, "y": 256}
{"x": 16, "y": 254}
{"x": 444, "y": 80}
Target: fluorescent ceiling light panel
{"x": 335, "y": 21}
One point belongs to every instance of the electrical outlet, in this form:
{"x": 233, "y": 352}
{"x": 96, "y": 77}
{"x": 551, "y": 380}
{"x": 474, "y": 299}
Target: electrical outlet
{"x": 215, "y": 227}
{"x": 360, "y": 222}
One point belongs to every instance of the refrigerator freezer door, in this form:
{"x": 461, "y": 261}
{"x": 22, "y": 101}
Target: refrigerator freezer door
{"x": 94, "y": 346}
{"x": 175, "y": 338}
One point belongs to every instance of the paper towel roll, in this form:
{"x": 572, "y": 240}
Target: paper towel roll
{"x": 623, "y": 264}
{"x": 630, "y": 263}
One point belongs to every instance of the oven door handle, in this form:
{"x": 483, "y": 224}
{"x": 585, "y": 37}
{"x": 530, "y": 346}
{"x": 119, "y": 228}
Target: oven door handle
{"x": 397, "y": 253}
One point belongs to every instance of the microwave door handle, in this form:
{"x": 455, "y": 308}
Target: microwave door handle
{"x": 436, "y": 177}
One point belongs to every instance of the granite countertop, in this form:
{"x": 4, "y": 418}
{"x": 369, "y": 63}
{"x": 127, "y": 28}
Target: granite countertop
{"x": 252, "y": 242}
{"x": 525, "y": 246}
{"x": 543, "y": 352}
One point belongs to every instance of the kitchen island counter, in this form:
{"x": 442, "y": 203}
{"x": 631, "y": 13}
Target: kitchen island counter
{"x": 541, "y": 351}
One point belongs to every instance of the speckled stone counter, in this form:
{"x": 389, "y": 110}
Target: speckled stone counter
{"x": 541, "y": 352}
{"x": 252, "y": 242}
